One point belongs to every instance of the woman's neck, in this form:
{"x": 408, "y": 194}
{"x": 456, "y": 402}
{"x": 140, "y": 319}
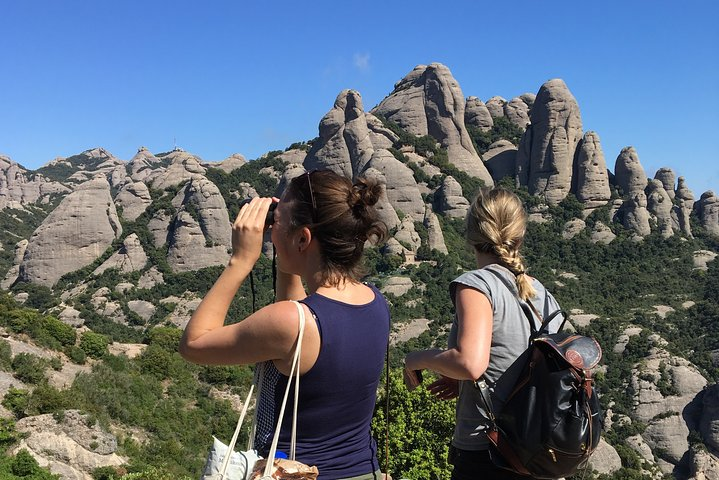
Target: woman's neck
{"x": 484, "y": 259}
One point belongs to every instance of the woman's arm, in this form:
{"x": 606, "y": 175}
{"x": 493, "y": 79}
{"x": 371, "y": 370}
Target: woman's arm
{"x": 206, "y": 339}
{"x": 469, "y": 359}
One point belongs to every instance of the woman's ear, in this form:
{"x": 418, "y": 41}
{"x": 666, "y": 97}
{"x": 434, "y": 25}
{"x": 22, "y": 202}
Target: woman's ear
{"x": 305, "y": 238}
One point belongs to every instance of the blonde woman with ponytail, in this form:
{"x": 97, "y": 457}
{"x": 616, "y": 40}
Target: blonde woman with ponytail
{"x": 489, "y": 330}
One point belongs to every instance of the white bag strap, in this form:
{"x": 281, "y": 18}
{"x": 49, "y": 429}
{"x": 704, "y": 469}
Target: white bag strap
{"x": 294, "y": 371}
{"x": 231, "y": 446}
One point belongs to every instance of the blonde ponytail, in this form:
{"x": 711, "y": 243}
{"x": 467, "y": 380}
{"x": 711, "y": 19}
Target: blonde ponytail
{"x": 496, "y": 223}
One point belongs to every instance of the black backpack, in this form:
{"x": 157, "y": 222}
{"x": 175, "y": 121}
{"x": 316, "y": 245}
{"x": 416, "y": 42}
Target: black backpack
{"x": 550, "y": 421}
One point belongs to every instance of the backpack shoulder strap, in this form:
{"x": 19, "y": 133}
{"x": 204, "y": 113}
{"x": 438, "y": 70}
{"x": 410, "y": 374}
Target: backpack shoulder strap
{"x": 528, "y": 308}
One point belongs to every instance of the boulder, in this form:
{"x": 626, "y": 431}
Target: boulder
{"x": 134, "y": 198}
{"x": 495, "y": 105}
{"x": 397, "y": 286}
{"x": 130, "y": 258}
{"x": 629, "y": 175}
{"x": 684, "y": 205}
{"x": 188, "y": 246}
{"x": 400, "y": 185}
{"x": 707, "y": 210}
{"x": 74, "y": 235}
{"x": 660, "y": 206}
{"x": 159, "y": 226}
{"x": 501, "y": 159}
{"x": 14, "y": 271}
{"x": 636, "y": 215}
{"x": 151, "y": 278}
{"x": 233, "y": 162}
{"x": 380, "y": 136}
{"x": 666, "y": 176}
{"x": 573, "y": 228}
{"x": 429, "y": 101}
{"x": 435, "y": 237}
{"x": 701, "y": 258}
{"x": 517, "y": 111}
{"x": 143, "y": 309}
{"x": 477, "y": 115}
{"x": 407, "y": 235}
{"x": 605, "y": 460}
{"x": 451, "y": 201}
{"x": 546, "y": 151}
{"x": 592, "y": 179}
{"x": 71, "y": 446}
{"x": 293, "y": 156}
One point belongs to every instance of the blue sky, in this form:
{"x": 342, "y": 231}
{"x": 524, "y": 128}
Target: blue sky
{"x": 225, "y": 77}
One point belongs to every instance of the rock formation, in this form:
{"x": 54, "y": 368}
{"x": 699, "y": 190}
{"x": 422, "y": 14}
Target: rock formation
{"x": 501, "y": 159}
{"x": 707, "y": 210}
{"x": 451, "y": 201}
{"x": 233, "y": 162}
{"x": 344, "y": 145}
{"x": 629, "y": 175}
{"x": 546, "y": 151}
{"x": 143, "y": 166}
{"x": 684, "y": 204}
{"x": 18, "y": 188}
{"x": 666, "y": 176}
{"x": 659, "y": 206}
{"x": 517, "y": 111}
{"x": 14, "y": 271}
{"x": 477, "y": 114}
{"x": 200, "y": 234}
{"x": 435, "y": 237}
{"x": 495, "y": 105}
{"x": 429, "y": 101}
{"x": 407, "y": 235}
{"x": 76, "y": 233}
{"x": 386, "y": 213}
{"x": 71, "y": 447}
{"x": 183, "y": 167}
{"x": 400, "y": 185}
{"x": 592, "y": 180}
{"x": 709, "y": 419}
{"x": 134, "y": 198}
{"x": 130, "y": 258}
{"x": 636, "y": 215}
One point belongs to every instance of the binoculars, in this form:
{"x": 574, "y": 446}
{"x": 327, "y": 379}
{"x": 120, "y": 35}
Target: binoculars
{"x": 270, "y": 218}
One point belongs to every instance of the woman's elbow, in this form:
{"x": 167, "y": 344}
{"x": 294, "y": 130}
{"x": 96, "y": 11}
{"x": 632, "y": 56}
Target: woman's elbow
{"x": 473, "y": 370}
{"x": 187, "y": 352}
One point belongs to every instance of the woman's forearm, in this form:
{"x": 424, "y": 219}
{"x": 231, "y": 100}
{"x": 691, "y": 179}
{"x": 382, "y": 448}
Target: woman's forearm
{"x": 450, "y": 363}
{"x": 212, "y": 311}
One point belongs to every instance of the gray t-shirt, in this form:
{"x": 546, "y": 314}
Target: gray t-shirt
{"x": 510, "y": 335}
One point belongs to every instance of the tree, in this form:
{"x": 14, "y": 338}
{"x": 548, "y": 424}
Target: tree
{"x": 420, "y": 429}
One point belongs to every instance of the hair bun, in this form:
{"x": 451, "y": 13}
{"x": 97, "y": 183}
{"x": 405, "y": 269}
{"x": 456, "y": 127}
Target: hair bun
{"x": 364, "y": 193}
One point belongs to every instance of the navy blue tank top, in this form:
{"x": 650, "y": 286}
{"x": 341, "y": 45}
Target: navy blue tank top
{"x": 337, "y": 395}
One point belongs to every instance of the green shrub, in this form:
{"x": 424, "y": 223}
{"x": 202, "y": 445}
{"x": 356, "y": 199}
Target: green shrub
{"x": 76, "y": 354}
{"x": 16, "y": 400}
{"x": 29, "y": 368}
{"x": 94, "y": 344}
{"x": 5, "y": 355}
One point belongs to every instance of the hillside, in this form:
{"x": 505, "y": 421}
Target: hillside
{"x": 104, "y": 261}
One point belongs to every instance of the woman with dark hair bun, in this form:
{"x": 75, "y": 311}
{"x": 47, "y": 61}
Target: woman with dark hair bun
{"x": 321, "y": 225}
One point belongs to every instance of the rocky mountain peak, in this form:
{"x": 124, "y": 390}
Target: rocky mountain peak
{"x": 547, "y": 148}
{"x": 429, "y": 101}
